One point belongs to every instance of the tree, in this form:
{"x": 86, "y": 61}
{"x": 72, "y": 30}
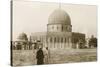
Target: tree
{"x": 93, "y": 42}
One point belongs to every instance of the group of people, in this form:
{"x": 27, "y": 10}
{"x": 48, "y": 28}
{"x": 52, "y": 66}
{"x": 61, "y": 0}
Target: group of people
{"x": 42, "y": 56}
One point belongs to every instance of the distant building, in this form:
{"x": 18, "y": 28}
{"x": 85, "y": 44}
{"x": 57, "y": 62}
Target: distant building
{"x": 22, "y": 43}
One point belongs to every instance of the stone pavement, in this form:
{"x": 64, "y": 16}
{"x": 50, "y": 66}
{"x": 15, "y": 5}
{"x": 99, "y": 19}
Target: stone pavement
{"x": 27, "y": 57}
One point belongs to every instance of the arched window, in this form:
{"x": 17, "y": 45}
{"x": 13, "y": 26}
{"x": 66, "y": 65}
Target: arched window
{"x": 62, "y": 40}
{"x": 55, "y": 40}
{"x": 62, "y": 28}
{"x": 51, "y": 39}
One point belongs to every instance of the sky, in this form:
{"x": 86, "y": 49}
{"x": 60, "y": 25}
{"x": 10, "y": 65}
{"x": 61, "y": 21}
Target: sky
{"x": 30, "y": 17}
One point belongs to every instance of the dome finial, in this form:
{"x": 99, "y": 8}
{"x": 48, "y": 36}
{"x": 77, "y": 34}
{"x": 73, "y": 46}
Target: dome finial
{"x": 60, "y": 4}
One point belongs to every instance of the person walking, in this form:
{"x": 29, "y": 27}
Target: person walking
{"x": 46, "y": 55}
{"x": 40, "y": 57}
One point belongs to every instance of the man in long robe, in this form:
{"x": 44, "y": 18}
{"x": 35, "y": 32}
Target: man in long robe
{"x": 40, "y": 57}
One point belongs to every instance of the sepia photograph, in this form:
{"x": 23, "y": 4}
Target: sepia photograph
{"x": 45, "y": 33}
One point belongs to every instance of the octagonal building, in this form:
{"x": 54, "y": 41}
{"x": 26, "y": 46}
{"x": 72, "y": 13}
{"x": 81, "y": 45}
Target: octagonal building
{"x": 59, "y": 32}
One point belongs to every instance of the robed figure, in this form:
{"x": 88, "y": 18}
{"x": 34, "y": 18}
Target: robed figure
{"x": 40, "y": 57}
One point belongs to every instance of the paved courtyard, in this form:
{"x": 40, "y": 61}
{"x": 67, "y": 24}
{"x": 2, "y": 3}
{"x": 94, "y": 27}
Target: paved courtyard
{"x": 27, "y": 57}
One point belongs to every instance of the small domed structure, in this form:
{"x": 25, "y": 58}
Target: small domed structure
{"x": 22, "y": 37}
{"x": 59, "y": 16}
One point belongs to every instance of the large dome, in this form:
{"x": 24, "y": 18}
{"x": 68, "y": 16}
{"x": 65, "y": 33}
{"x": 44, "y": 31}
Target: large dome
{"x": 59, "y": 16}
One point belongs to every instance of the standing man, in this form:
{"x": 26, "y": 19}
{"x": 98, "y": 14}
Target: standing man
{"x": 40, "y": 57}
{"x": 46, "y": 55}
